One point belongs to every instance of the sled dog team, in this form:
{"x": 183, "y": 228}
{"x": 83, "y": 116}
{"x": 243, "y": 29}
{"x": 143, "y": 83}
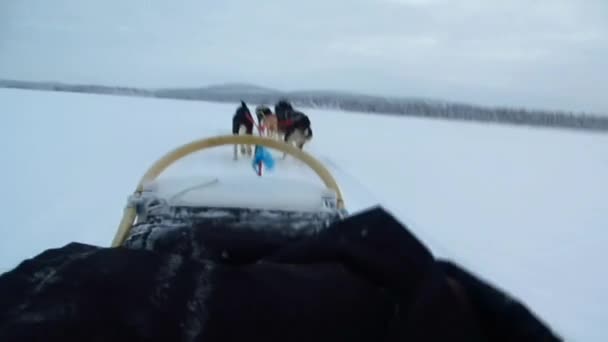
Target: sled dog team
{"x": 286, "y": 123}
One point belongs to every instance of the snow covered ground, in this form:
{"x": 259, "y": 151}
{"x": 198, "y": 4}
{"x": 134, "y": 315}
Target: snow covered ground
{"x": 525, "y": 208}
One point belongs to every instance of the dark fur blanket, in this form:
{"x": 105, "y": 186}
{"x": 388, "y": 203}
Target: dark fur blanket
{"x": 366, "y": 278}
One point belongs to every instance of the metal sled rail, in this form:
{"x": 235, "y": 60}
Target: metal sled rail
{"x": 129, "y": 214}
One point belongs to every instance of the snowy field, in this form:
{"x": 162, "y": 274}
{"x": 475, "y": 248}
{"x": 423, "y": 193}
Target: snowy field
{"x": 525, "y": 208}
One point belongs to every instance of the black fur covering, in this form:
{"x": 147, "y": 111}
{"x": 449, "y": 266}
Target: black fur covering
{"x": 242, "y": 116}
{"x": 291, "y": 120}
{"x": 365, "y": 278}
{"x": 298, "y": 121}
{"x": 283, "y": 109}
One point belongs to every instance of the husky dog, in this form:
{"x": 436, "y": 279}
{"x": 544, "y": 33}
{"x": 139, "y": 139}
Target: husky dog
{"x": 297, "y": 129}
{"x": 294, "y": 125}
{"x": 242, "y": 123}
{"x": 268, "y": 121}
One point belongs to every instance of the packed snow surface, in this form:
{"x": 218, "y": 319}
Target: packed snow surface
{"x": 524, "y": 208}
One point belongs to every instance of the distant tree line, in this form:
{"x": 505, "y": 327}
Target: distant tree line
{"x": 346, "y": 102}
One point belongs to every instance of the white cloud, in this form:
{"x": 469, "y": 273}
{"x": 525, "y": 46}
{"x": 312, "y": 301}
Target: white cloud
{"x": 439, "y": 48}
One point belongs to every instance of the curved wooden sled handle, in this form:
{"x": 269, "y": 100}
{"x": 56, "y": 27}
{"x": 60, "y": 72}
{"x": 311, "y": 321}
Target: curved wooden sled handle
{"x": 163, "y": 163}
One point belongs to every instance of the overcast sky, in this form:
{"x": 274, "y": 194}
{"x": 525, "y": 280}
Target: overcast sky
{"x": 538, "y": 53}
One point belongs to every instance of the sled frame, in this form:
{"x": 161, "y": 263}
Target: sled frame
{"x": 130, "y": 214}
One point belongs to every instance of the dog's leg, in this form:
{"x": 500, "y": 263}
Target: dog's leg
{"x": 235, "y": 131}
{"x": 275, "y": 128}
{"x": 293, "y": 138}
{"x": 242, "y": 130}
{"x": 285, "y": 153}
{"x": 263, "y": 127}
{"x": 275, "y": 131}
{"x": 287, "y": 139}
